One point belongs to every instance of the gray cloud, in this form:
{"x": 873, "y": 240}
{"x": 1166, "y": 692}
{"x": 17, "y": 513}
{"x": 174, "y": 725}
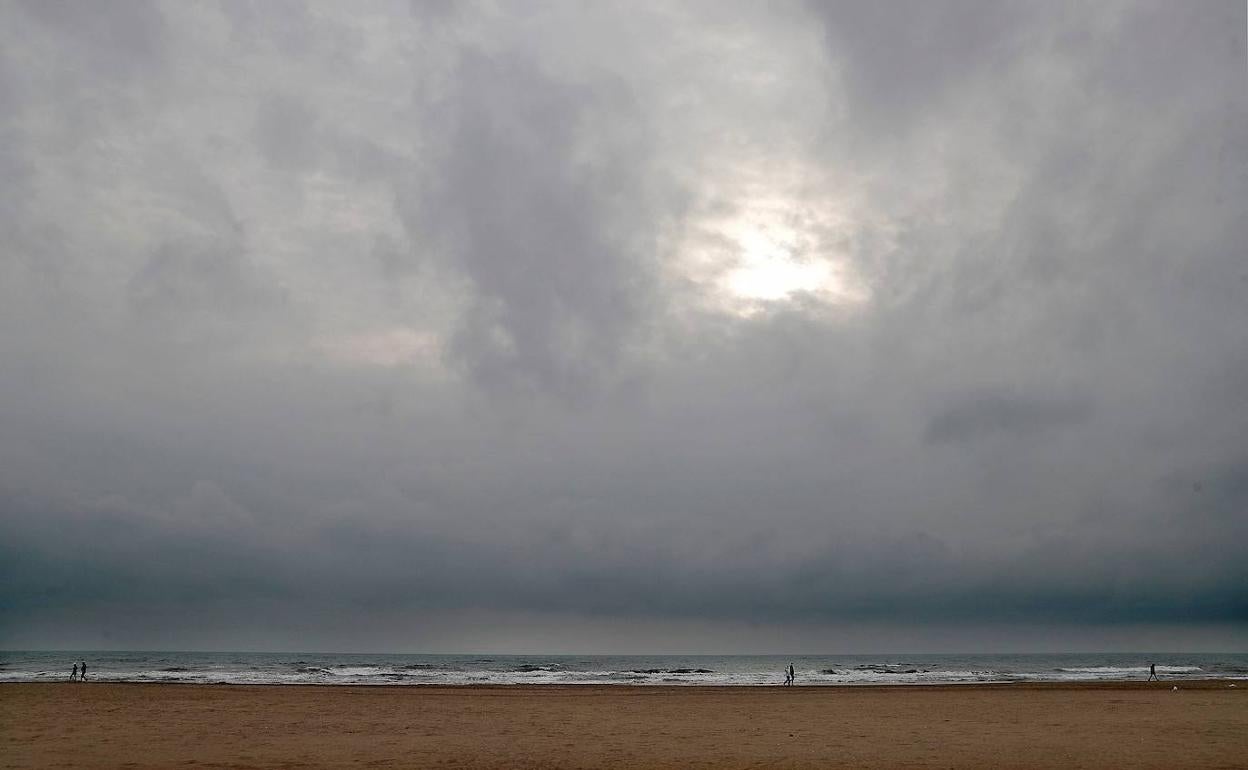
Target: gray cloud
{"x": 902, "y": 63}
{"x": 535, "y": 197}
{"x": 986, "y": 414}
{"x": 119, "y": 42}
{"x": 411, "y": 322}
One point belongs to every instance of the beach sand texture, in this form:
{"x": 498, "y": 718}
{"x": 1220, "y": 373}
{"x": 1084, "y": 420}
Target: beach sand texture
{"x": 1202, "y": 725}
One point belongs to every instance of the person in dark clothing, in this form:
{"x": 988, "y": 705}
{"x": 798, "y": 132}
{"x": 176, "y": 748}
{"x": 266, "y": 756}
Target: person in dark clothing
{"x": 792, "y": 674}
{"x": 1152, "y": 672}
{"x": 83, "y": 666}
{"x": 74, "y": 674}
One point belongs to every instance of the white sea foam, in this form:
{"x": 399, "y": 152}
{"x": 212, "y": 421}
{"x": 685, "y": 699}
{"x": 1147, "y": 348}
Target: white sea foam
{"x": 1126, "y": 670}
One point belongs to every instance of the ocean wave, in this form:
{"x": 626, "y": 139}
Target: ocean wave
{"x": 364, "y": 669}
{"x": 877, "y": 668}
{"x": 879, "y": 675}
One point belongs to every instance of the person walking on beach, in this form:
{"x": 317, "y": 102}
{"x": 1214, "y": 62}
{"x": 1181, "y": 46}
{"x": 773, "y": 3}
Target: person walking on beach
{"x": 787, "y": 679}
{"x": 74, "y": 674}
{"x": 1152, "y": 673}
{"x": 792, "y": 674}
{"x": 83, "y": 666}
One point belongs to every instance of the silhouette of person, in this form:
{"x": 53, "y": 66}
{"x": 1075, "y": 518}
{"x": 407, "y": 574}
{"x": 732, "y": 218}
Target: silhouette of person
{"x": 74, "y": 674}
{"x": 792, "y": 674}
{"x": 1152, "y": 673}
{"x": 83, "y": 665}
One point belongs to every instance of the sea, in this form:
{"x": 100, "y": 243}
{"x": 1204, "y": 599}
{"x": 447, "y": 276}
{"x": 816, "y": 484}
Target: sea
{"x": 757, "y": 670}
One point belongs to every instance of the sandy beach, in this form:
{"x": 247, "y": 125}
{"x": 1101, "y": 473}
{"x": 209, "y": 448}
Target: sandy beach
{"x": 1203, "y": 725}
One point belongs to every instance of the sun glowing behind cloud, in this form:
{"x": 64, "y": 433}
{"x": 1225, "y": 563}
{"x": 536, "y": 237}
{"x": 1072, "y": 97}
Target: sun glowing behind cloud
{"x": 769, "y": 270}
{"x": 772, "y": 250}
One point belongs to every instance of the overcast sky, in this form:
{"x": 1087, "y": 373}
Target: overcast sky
{"x": 698, "y": 326}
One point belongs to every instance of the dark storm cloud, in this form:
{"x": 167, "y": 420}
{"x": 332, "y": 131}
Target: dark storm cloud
{"x": 416, "y": 316}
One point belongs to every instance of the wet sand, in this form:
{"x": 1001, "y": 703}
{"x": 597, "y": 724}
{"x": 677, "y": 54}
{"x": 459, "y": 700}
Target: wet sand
{"x": 1103, "y": 725}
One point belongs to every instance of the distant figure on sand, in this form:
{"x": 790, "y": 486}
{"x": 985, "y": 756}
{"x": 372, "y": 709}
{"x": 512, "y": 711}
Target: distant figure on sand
{"x": 787, "y": 678}
{"x": 83, "y": 666}
{"x": 1152, "y": 672}
{"x": 792, "y": 674}
{"x": 74, "y": 674}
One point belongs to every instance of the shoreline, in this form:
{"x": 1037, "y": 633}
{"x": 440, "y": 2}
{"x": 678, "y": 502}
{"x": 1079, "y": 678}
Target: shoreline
{"x": 1025, "y": 684}
{"x": 977, "y": 725}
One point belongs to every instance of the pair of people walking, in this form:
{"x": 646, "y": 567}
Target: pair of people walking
{"x": 789, "y": 676}
{"x": 80, "y": 671}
